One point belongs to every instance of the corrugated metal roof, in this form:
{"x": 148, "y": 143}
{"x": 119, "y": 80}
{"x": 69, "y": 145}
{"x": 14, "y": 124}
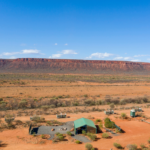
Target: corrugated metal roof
{"x": 83, "y": 121}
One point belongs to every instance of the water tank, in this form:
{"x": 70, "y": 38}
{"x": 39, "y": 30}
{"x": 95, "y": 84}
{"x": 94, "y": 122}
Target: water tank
{"x": 132, "y": 113}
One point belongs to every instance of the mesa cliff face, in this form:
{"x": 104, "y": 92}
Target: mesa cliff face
{"x": 33, "y": 65}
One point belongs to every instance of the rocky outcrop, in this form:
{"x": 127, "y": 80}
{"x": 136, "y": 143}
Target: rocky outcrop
{"x": 33, "y": 65}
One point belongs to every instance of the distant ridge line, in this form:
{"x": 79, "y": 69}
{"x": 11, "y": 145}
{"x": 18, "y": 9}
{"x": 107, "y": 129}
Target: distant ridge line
{"x": 42, "y": 65}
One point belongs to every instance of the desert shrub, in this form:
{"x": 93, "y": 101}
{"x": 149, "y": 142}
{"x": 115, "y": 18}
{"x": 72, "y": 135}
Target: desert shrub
{"x": 3, "y": 105}
{"x": 112, "y": 106}
{"x": 103, "y": 102}
{"x": 132, "y": 147}
{"x": 116, "y": 100}
{"x": 23, "y": 103}
{"x": 43, "y": 136}
{"x": 89, "y": 102}
{"x": 142, "y": 146}
{"x": 146, "y": 148}
{"x": 0, "y": 143}
{"x": 83, "y": 132}
{"x": 98, "y": 102}
{"x": 118, "y": 146}
{"x": 85, "y": 95}
{"x": 34, "y": 134}
{"x": 13, "y": 104}
{"x": 108, "y": 99}
{"x": 145, "y": 99}
{"x": 122, "y": 102}
{"x": 54, "y": 140}
{"x": 123, "y": 115}
{"x": 60, "y": 96}
{"x": 60, "y": 137}
{"x": 77, "y": 142}
{"x": 38, "y": 119}
{"x": 1, "y": 99}
{"x": 75, "y": 103}
{"x": 101, "y": 125}
{"x": 109, "y": 124}
{"x": 88, "y": 146}
{"x": 45, "y": 107}
{"x": 10, "y": 125}
{"x": 67, "y": 96}
{"x": 105, "y": 135}
{"x": 97, "y": 120}
{"x": 57, "y": 133}
{"x": 52, "y": 106}
{"x": 148, "y": 140}
{"x": 69, "y": 133}
{"x": 92, "y": 136}
{"x": 32, "y": 103}
{"x": 118, "y": 131}
{"x": 9, "y": 118}
{"x": 18, "y": 122}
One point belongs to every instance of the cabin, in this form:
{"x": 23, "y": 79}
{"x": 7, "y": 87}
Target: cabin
{"x": 84, "y": 124}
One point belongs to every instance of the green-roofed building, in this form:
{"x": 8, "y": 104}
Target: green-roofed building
{"x": 84, "y": 124}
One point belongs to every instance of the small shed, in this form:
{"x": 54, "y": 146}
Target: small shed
{"x": 132, "y": 113}
{"x": 138, "y": 109}
{"x": 61, "y": 116}
{"x": 108, "y": 112}
{"x": 84, "y": 124}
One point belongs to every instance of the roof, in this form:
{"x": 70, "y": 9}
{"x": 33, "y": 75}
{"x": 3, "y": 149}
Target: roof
{"x": 83, "y": 121}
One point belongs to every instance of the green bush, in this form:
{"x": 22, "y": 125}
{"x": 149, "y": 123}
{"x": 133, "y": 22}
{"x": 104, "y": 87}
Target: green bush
{"x": 142, "y": 146}
{"x": 85, "y": 95}
{"x": 118, "y": 131}
{"x": 97, "y": 120}
{"x": 112, "y": 106}
{"x": 43, "y": 136}
{"x": 61, "y": 138}
{"x": 109, "y": 124}
{"x": 132, "y": 147}
{"x": 149, "y": 140}
{"x": 83, "y": 132}
{"x": 92, "y": 136}
{"x": 1, "y": 99}
{"x": 57, "y": 133}
{"x": 123, "y": 115}
{"x": 23, "y": 103}
{"x": 89, "y": 146}
{"x": 117, "y": 146}
{"x": 105, "y": 135}
{"x": 45, "y": 107}
{"x": 52, "y": 106}
{"x": 69, "y": 133}
{"x": 122, "y": 102}
{"x": 101, "y": 125}
{"x": 77, "y": 142}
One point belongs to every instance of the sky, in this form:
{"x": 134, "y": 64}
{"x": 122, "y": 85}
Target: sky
{"x": 75, "y": 29}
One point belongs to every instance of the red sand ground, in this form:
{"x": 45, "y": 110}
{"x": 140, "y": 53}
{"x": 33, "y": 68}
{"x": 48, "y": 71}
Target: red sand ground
{"x": 136, "y": 132}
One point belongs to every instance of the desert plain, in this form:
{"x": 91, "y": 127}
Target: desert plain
{"x": 74, "y": 93}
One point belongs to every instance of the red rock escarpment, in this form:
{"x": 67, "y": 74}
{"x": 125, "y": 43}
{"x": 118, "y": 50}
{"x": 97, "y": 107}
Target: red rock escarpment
{"x": 33, "y": 65}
